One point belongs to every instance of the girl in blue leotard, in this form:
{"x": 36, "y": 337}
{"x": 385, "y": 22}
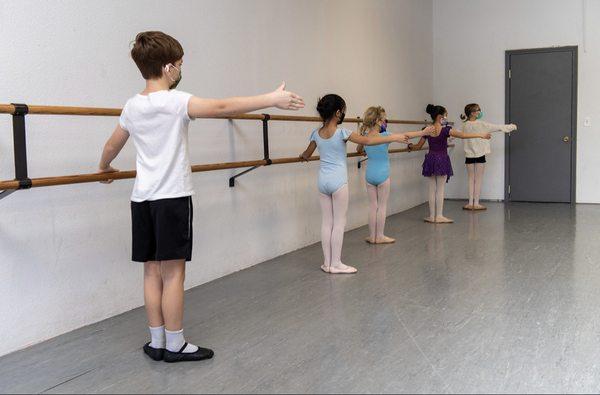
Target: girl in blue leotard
{"x": 331, "y": 140}
{"x": 378, "y": 172}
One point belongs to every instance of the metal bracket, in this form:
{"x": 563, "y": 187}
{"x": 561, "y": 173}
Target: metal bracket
{"x": 20, "y": 148}
{"x": 232, "y": 179}
{"x": 266, "y": 157}
{"x": 361, "y": 161}
{"x": 4, "y": 194}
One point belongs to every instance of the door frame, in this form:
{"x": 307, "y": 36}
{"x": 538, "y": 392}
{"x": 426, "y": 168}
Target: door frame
{"x": 574, "y": 50}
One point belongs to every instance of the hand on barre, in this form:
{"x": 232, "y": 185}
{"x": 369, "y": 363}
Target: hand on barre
{"x": 108, "y": 169}
{"x": 305, "y": 156}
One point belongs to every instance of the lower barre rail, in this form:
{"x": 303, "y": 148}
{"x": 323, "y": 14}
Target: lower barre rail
{"x": 9, "y": 186}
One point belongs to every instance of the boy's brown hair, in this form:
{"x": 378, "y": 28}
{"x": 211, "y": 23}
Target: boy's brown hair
{"x": 153, "y": 50}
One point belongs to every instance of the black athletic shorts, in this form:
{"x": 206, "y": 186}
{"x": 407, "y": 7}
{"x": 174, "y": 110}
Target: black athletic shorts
{"x": 470, "y": 161}
{"x": 162, "y": 229}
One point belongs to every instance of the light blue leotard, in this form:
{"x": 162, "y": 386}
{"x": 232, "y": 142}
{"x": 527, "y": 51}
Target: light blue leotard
{"x": 333, "y": 173}
{"x": 378, "y": 168}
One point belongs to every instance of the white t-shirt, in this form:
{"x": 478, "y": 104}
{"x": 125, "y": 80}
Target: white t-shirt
{"x": 158, "y": 123}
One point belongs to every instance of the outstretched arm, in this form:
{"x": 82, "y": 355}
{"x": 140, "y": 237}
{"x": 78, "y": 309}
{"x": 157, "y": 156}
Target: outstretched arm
{"x": 420, "y": 133}
{"x": 280, "y": 98}
{"x": 358, "y": 138}
{"x": 462, "y": 135}
{"x": 493, "y": 128}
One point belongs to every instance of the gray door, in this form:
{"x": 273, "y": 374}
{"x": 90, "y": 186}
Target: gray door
{"x": 541, "y": 96}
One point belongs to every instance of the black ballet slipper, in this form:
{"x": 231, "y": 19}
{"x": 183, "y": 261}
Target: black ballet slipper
{"x": 156, "y": 354}
{"x": 200, "y": 355}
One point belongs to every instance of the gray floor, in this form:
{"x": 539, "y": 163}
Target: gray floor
{"x": 501, "y": 301}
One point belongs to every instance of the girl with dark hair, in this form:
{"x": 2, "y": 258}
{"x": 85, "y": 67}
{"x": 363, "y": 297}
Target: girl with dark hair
{"x": 331, "y": 140}
{"x": 476, "y": 150}
{"x": 437, "y": 166}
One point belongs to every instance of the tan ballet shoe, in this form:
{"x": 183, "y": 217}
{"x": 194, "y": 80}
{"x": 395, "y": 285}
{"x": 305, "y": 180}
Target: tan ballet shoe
{"x": 342, "y": 269}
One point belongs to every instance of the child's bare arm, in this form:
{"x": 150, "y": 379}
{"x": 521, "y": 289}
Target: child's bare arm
{"x": 113, "y": 146}
{"x": 358, "y": 138}
{"x": 417, "y": 146}
{"x": 309, "y": 151}
{"x": 420, "y": 133}
{"x": 280, "y": 98}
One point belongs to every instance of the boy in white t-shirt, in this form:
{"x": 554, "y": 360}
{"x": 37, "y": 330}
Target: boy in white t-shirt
{"x": 161, "y": 202}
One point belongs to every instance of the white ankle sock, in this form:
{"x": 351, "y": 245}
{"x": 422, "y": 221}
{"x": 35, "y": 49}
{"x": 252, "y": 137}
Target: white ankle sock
{"x": 158, "y": 337}
{"x": 175, "y": 341}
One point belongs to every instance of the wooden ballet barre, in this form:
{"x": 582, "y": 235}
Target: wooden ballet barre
{"x": 22, "y": 180}
{"x": 62, "y": 110}
{"x": 115, "y": 112}
{"x": 127, "y": 174}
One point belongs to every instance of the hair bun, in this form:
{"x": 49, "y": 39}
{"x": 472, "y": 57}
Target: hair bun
{"x": 429, "y": 109}
{"x": 463, "y": 117}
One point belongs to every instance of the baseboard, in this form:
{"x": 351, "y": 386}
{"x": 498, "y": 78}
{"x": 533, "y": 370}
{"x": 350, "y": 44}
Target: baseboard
{"x": 481, "y": 200}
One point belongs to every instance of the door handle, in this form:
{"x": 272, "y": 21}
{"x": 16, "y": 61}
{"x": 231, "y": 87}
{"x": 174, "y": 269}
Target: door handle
{"x": 566, "y": 139}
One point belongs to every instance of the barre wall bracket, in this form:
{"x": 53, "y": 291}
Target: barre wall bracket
{"x": 266, "y": 157}
{"x": 20, "y": 148}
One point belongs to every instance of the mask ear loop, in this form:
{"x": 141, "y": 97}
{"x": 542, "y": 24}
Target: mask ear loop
{"x": 167, "y": 69}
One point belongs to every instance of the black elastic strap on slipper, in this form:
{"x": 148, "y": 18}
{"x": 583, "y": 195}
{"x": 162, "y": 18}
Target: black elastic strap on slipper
{"x": 183, "y": 348}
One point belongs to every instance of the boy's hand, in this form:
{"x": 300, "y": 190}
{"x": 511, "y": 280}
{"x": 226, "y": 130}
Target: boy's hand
{"x": 286, "y": 100}
{"x": 108, "y": 169}
{"x": 513, "y": 127}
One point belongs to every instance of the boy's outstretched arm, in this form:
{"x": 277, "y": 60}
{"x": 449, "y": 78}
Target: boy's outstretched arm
{"x": 280, "y": 98}
{"x": 113, "y": 146}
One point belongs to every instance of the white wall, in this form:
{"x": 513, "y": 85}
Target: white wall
{"x": 470, "y": 40}
{"x": 64, "y": 251}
